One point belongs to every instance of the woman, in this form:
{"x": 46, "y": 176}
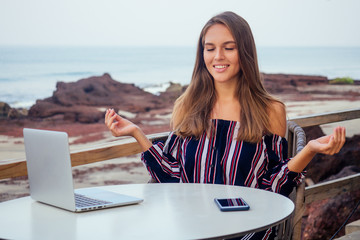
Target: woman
{"x": 227, "y": 129}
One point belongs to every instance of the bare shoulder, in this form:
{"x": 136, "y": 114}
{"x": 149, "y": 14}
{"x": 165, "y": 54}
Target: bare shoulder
{"x": 277, "y": 118}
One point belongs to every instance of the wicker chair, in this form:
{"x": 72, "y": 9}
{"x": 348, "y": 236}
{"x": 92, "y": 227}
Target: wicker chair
{"x": 292, "y": 227}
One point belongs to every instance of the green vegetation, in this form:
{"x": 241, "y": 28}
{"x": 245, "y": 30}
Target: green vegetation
{"x": 343, "y": 80}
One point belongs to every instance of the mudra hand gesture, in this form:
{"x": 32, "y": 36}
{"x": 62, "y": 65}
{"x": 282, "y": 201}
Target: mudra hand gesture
{"x": 119, "y": 126}
{"x": 329, "y": 144}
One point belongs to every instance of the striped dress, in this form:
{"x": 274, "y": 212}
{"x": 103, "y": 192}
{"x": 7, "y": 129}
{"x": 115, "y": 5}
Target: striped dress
{"x": 221, "y": 159}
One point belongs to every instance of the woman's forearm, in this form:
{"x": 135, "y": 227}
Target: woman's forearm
{"x": 301, "y": 160}
{"x": 141, "y": 138}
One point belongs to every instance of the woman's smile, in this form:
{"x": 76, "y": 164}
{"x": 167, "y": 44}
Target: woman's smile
{"x": 221, "y": 66}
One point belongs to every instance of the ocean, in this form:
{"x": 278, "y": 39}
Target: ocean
{"x": 31, "y": 73}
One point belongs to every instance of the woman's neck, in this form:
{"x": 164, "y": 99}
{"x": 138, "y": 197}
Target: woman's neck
{"x": 227, "y": 105}
{"x": 227, "y": 109}
{"x": 225, "y": 90}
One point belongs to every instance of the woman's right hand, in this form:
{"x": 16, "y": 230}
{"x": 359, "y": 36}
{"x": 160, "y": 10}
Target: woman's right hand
{"x": 119, "y": 126}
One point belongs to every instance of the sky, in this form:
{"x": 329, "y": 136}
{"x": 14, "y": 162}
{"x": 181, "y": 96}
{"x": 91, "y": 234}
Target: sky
{"x": 175, "y": 23}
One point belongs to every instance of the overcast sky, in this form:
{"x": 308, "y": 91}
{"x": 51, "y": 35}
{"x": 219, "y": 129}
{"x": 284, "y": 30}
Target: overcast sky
{"x": 166, "y": 22}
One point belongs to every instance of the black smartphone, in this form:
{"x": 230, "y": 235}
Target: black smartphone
{"x": 232, "y": 204}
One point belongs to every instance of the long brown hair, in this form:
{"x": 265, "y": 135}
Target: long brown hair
{"x": 193, "y": 108}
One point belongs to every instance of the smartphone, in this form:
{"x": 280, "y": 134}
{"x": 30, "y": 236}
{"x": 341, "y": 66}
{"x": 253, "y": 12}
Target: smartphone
{"x": 232, "y": 204}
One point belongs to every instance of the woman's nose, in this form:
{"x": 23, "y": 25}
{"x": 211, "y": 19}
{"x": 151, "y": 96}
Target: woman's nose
{"x": 219, "y": 54}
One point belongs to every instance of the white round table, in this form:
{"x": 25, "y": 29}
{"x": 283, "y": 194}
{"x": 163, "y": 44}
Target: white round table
{"x": 169, "y": 211}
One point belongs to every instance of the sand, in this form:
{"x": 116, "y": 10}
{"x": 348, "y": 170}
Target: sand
{"x": 303, "y": 108}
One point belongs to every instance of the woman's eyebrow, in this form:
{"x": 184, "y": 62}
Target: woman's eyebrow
{"x": 225, "y": 43}
{"x": 229, "y": 42}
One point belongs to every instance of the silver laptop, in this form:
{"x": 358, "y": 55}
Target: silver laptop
{"x": 50, "y": 175}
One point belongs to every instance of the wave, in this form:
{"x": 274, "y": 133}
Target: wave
{"x": 56, "y": 74}
{"x": 22, "y": 104}
{"x": 155, "y": 89}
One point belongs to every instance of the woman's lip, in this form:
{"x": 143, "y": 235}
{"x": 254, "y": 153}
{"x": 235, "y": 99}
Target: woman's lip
{"x": 220, "y": 67}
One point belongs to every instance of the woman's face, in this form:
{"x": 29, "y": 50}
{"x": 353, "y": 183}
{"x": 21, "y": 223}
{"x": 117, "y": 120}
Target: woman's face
{"x": 221, "y": 54}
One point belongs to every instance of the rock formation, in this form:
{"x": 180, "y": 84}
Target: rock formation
{"x": 85, "y": 101}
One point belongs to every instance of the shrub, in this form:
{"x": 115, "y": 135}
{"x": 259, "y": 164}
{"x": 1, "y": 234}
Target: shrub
{"x": 343, "y": 80}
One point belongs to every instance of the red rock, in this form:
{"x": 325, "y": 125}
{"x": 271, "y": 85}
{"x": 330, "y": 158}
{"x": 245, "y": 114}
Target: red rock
{"x": 4, "y": 109}
{"x": 325, "y": 217}
{"x": 100, "y": 91}
{"x": 278, "y": 83}
{"x": 85, "y": 100}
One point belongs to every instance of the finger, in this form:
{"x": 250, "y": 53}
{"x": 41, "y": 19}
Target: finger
{"x": 342, "y": 138}
{"x": 113, "y": 117}
{"x": 337, "y": 141}
{"x": 107, "y": 115}
{"x": 336, "y": 134}
{"x": 331, "y": 145}
{"x": 113, "y": 129}
{"x": 118, "y": 117}
{"x": 110, "y": 120}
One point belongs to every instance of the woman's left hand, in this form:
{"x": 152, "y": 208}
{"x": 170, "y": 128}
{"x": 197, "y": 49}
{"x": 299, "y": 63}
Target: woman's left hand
{"x": 329, "y": 144}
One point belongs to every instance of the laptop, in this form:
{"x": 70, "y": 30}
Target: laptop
{"x": 50, "y": 175}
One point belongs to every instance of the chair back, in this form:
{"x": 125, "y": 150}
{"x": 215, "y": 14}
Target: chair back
{"x": 292, "y": 228}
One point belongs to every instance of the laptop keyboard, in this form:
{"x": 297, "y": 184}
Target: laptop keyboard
{"x": 83, "y": 201}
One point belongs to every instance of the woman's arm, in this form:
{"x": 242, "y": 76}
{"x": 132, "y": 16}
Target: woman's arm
{"x": 329, "y": 144}
{"x": 162, "y": 166}
{"x": 122, "y": 127}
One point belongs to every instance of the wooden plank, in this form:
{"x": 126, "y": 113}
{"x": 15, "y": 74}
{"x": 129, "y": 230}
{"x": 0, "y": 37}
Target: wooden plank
{"x": 332, "y": 188}
{"x": 298, "y": 212}
{"x": 104, "y": 153}
{"x": 13, "y": 169}
{"x": 324, "y": 118}
{"x": 124, "y": 147}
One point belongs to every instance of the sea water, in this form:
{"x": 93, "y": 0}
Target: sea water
{"x": 31, "y": 73}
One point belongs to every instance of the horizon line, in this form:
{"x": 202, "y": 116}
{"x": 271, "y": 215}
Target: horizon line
{"x": 171, "y": 46}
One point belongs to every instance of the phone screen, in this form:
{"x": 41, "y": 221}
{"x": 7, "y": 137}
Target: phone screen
{"x": 231, "y": 204}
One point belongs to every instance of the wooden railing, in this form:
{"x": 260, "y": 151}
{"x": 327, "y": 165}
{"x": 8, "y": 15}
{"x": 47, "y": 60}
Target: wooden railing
{"x": 325, "y": 190}
{"x": 332, "y": 188}
{"x": 335, "y": 187}
{"x": 101, "y": 152}
{"x": 126, "y": 147}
